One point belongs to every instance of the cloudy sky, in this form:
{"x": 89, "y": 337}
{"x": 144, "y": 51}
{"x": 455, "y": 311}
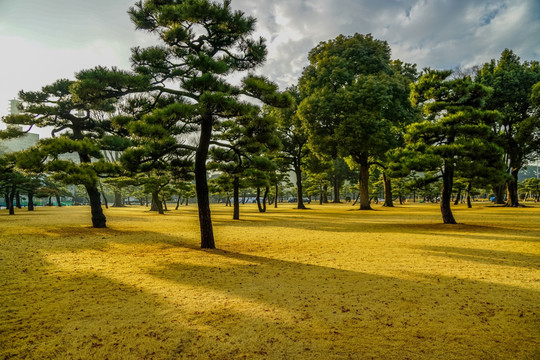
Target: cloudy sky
{"x": 42, "y": 41}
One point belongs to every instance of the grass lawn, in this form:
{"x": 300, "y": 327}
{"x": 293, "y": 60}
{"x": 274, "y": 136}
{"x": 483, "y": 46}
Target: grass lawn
{"x": 326, "y": 283}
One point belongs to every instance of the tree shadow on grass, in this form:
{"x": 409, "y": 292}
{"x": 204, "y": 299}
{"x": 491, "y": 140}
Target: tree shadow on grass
{"x": 490, "y": 257}
{"x": 335, "y": 312}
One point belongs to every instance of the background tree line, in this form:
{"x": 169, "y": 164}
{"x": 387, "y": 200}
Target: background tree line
{"x": 357, "y": 123}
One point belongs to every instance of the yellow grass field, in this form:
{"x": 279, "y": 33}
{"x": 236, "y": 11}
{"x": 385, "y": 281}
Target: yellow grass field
{"x": 326, "y": 283}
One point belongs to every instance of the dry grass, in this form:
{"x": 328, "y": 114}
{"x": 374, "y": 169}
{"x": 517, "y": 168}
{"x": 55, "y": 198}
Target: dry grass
{"x": 326, "y": 283}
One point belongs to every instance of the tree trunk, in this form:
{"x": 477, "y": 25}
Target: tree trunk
{"x": 364, "y": 185}
{"x": 299, "y": 190}
{"x": 30, "y": 200}
{"x": 512, "y": 199}
{"x": 18, "y": 200}
{"x": 50, "y": 200}
{"x": 6, "y": 196}
{"x": 10, "y": 198}
{"x": 499, "y": 191}
{"x": 446, "y": 195}
{"x": 265, "y": 197}
{"x": 177, "y": 202}
{"x": 58, "y": 202}
{"x": 469, "y": 203}
{"x": 164, "y": 202}
{"x": 156, "y": 203}
{"x": 275, "y": 204}
{"x": 103, "y": 194}
{"x": 325, "y": 194}
{"x": 236, "y": 198}
{"x": 336, "y": 191}
{"x": 117, "y": 199}
{"x": 98, "y": 218}
{"x": 458, "y": 197}
{"x": 201, "y": 185}
{"x": 387, "y": 182}
{"x": 259, "y": 200}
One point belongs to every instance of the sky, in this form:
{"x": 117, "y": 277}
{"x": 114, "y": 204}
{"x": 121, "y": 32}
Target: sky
{"x": 43, "y": 41}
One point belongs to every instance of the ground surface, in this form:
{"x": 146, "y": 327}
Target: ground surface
{"x": 326, "y": 283}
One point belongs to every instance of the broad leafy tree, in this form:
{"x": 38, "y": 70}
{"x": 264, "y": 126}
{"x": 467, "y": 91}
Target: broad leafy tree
{"x": 354, "y": 102}
{"x": 294, "y": 139}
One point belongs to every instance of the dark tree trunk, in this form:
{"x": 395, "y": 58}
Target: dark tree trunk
{"x": 259, "y": 200}
{"x": 164, "y": 202}
{"x": 50, "y": 200}
{"x": 325, "y": 194}
{"x": 364, "y": 185}
{"x": 6, "y": 196}
{"x": 98, "y": 218}
{"x": 30, "y": 200}
{"x": 201, "y": 185}
{"x": 469, "y": 203}
{"x": 117, "y": 199}
{"x": 446, "y": 195}
{"x": 178, "y": 202}
{"x": 499, "y": 191}
{"x": 265, "y": 197}
{"x": 512, "y": 199}
{"x": 18, "y": 200}
{"x": 299, "y": 190}
{"x": 356, "y": 199}
{"x": 103, "y": 194}
{"x": 275, "y": 204}
{"x": 58, "y": 202}
{"x": 336, "y": 191}
{"x": 320, "y": 195}
{"x": 156, "y": 203}
{"x": 236, "y": 198}
{"x": 387, "y": 182}
{"x": 9, "y": 200}
{"x": 458, "y": 197}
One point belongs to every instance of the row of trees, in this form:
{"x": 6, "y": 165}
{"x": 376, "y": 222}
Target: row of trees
{"x": 181, "y": 112}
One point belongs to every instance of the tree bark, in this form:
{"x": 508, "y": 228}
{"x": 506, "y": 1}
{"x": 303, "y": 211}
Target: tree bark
{"x": 364, "y": 185}
{"x": 512, "y": 199}
{"x": 98, "y": 218}
{"x": 499, "y": 191}
{"x": 458, "y": 197}
{"x": 103, "y": 194}
{"x": 164, "y": 202}
{"x": 236, "y": 198}
{"x": 18, "y": 200}
{"x": 58, "y": 202}
{"x": 265, "y": 197}
{"x": 117, "y": 199}
{"x": 156, "y": 203}
{"x": 259, "y": 199}
{"x": 177, "y": 202}
{"x": 275, "y": 204}
{"x": 30, "y": 200}
{"x": 446, "y": 195}
{"x": 299, "y": 190}
{"x": 201, "y": 185}
{"x": 325, "y": 194}
{"x": 469, "y": 203}
{"x": 387, "y": 182}
{"x": 9, "y": 200}
{"x": 336, "y": 191}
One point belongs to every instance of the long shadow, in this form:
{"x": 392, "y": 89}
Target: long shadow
{"x": 323, "y": 303}
{"x": 491, "y": 257}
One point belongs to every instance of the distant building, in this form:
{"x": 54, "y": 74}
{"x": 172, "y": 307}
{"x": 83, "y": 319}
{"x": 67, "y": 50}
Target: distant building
{"x": 21, "y": 143}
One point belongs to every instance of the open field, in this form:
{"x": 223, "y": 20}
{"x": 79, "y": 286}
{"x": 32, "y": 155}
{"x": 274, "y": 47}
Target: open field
{"x": 326, "y": 283}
